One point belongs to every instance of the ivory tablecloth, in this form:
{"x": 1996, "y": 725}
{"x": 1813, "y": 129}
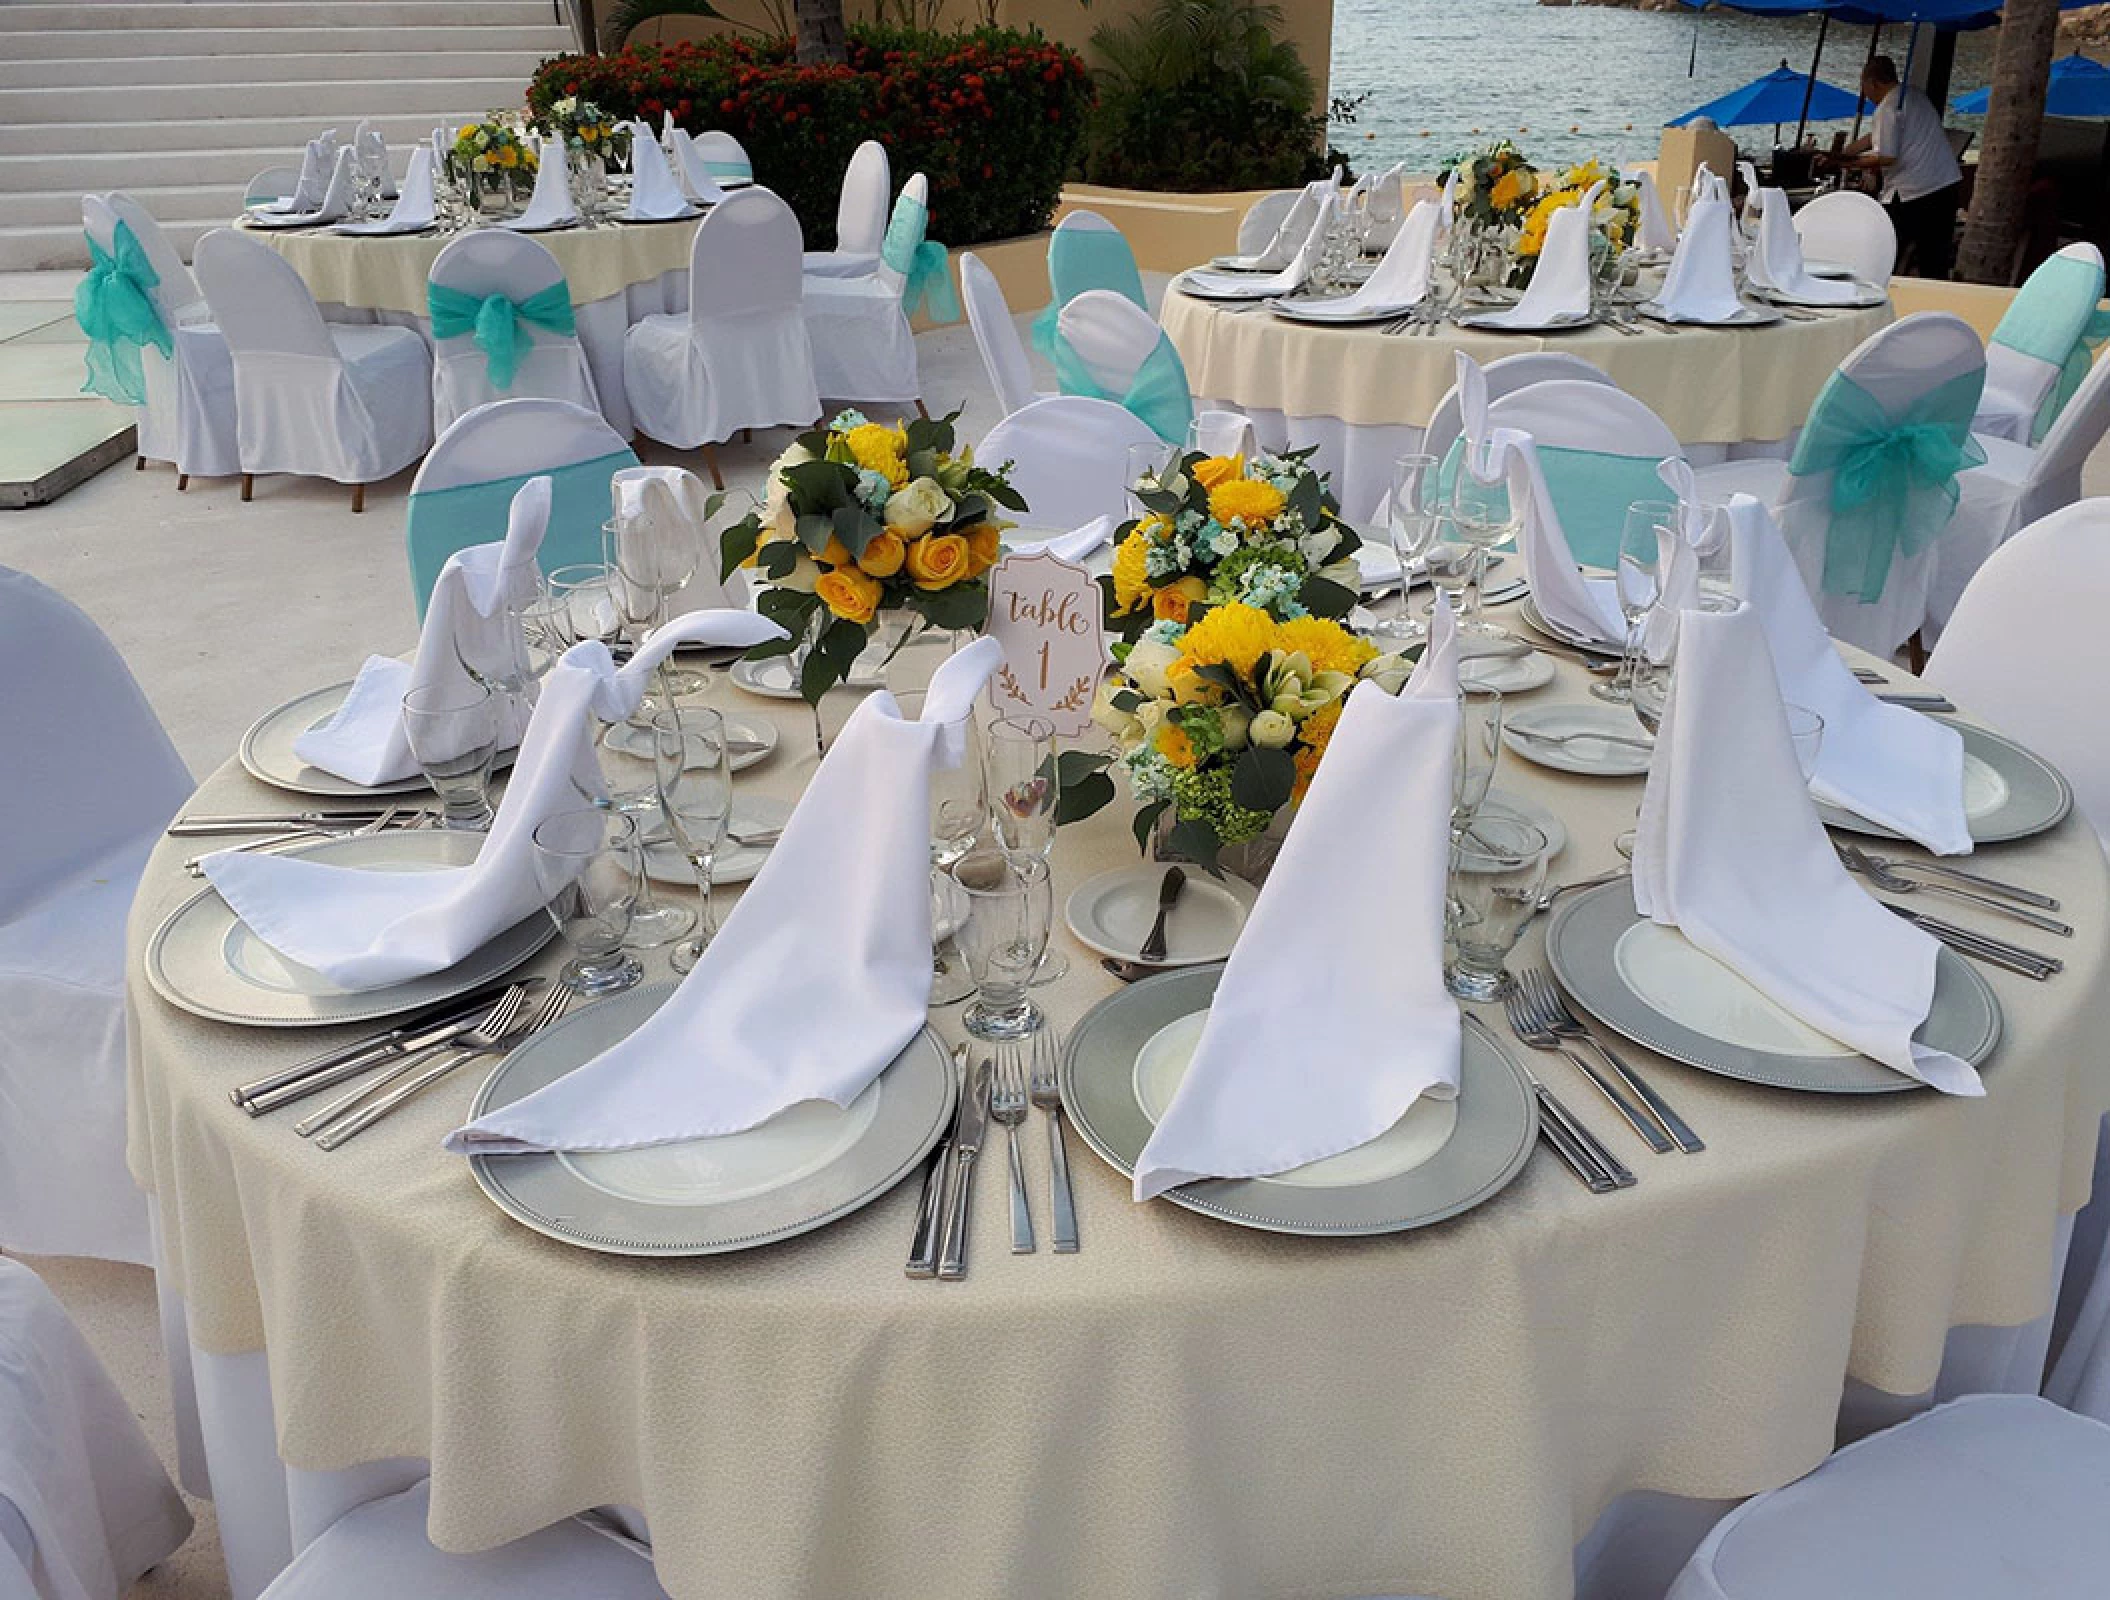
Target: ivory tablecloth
{"x": 1184, "y": 1409}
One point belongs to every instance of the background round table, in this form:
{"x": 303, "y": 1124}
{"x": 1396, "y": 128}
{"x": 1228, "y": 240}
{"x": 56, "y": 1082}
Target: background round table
{"x": 1361, "y": 397}
{"x": 1184, "y": 1408}
{"x": 618, "y": 273}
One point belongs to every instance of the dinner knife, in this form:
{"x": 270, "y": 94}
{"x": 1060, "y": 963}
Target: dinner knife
{"x": 966, "y": 1140}
{"x": 923, "y": 1248}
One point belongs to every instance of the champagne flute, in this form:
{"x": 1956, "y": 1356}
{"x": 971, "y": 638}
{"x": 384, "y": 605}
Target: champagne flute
{"x": 959, "y": 811}
{"x": 1639, "y": 582}
{"x": 1484, "y": 515}
{"x": 1414, "y": 518}
{"x": 1025, "y": 791}
{"x": 695, "y": 778}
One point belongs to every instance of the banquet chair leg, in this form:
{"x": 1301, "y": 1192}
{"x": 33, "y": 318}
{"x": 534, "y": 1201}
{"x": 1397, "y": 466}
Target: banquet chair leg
{"x": 139, "y": 463}
{"x": 922, "y": 410}
{"x": 248, "y": 483}
{"x": 1916, "y": 653}
{"x": 182, "y": 482}
{"x": 358, "y": 498}
{"x": 747, "y": 436}
{"x": 710, "y": 459}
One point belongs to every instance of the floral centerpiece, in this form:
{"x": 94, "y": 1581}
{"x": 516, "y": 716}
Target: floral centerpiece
{"x": 492, "y": 158}
{"x": 1505, "y": 203}
{"x": 1614, "y": 219}
{"x": 862, "y": 519}
{"x": 1218, "y": 529}
{"x": 586, "y": 129}
{"x": 1495, "y": 186}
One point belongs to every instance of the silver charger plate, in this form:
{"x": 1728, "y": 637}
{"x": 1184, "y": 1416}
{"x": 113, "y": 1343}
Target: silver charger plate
{"x": 203, "y": 959}
{"x": 1491, "y": 1139}
{"x": 267, "y": 751}
{"x": 1226, "y": 291}
{"x": 1747, "y": 316}
{"x": 1763, "y": 1045}
{"x": 798, "y": 1171}
{"x": 2022, "y": 793}
{"x": 1535, "y": 620}
{"x": 1505, "y": 321}
{"x": 1868, "y": 297}
{"x": 1314, "y": 313}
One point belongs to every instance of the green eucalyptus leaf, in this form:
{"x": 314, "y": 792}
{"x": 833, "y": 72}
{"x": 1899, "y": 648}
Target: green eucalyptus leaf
{"x": 1263, "y": 779}
{"x": 1146, "y": 822}
{"x": 1196, "y": 841}
{"x": 737, "y": 545}
{"x": 1085, "y": 798}
{"x": 1322, "y": 597}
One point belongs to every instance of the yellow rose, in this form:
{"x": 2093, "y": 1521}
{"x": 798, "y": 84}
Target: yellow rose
{"x": 884, "y": 555}
{"x": 1245, "y": 499}
{"x": 835, "y": 554}
{"x": 466, "y": 131}
{"x": 1172, "y": 603}
{"x": 1512, "y": 188}
{"x": 985, "y": 547}
{"x": 850, "y": 594}
{"x": 913, "y": 511}
{"x": 1218, "y": 469}
{"x": 938, "y": 560}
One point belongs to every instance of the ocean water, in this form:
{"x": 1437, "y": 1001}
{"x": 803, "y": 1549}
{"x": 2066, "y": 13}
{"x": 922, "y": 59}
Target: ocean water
{"x": 1568, "y": 82}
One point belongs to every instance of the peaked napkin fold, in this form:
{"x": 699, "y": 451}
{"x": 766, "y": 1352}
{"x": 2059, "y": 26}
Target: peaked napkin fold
{"x": 1300, "y": 1060}
{"x": 689, "y": 167}
{"x": 1559, "y": 290}
{"x": 414, "y": 210}
{"x": 1701, "y": 283}
{"x": 1289, "y": 280}
{"x": 677, "y": 500}
{"x": 471, "y": 635}
{"x": 550, "y": 206}
{"x": 1401, "y": 277}
{"x": 365, "y": 929}
{"x": 1730, "y": 853}
{"x": 1776, "y": 264}
{"x": 1656, "y": 233}
{"x": 819, "y": 978}
{"x": 654, "y": 195}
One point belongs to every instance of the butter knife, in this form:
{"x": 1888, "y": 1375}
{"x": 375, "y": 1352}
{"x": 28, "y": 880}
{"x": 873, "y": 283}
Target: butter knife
{"x": 966, "y": 1140}
{"x": 923, "y": 1248}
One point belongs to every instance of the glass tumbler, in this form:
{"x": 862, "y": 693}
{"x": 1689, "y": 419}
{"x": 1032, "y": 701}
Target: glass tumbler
{"x": 588, "y": 862}
{"x": 1010, "y": 908}
{"x": 453, "y": 732}
{"x": 1497, "y": 871}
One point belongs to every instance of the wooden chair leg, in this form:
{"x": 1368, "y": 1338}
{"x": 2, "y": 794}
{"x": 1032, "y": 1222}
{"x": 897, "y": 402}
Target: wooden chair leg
{"x": 248, "y": 483}
{"x": 747, "y": 436}
{"x": 182, "y": 482}
{"x": 358, "y": 498}
{"x": 922, "y": 411}
{"x": 139, "y": 463}
{"x": 1916, "y": 653}
{"x": 710, "y": 459}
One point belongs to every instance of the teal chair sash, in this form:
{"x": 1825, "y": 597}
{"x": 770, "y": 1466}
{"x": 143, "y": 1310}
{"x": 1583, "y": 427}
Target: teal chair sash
{"x": 2078, "y": 360}
{"x": 2050, "y": 311}
{"x": 1081, "y": 259}
{"x": 742, "y": 170}
{"x": 443, "y": 521}
{"x": 1893, "y": 479}
{"x": 115, "y": 307}
{"x": 499, "y": 325}
{"x": 1590, "y": 491}
{"x": 1159, "y": 395}
{"x": 920, "y": 259}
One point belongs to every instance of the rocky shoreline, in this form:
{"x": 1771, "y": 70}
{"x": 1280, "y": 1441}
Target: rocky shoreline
{"x": 2083, "y": 29}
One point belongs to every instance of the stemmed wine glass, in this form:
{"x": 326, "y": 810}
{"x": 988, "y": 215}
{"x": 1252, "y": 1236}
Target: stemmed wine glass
{"x": 1414, "y": 518}
{"x": 1479, "y": 753}
{"x": 959, "y": 809}
{"x": 652, "y": 562}
{"x": 695, "y": 778}
{"x": 1639, "y": 580}
{"x": 1484, "y": 515}
{"x": 1025, "y": 790}
{"x": 370, "y": 156}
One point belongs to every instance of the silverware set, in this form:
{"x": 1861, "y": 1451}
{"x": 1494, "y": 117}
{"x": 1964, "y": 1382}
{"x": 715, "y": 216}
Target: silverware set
{"x": 1559, "y": 1129}
{"x": 999, "y": 1087}
{"x": 1896, "y": 875}
{"x": 1539, "y": 1015}
{"x": 290, "y": 833}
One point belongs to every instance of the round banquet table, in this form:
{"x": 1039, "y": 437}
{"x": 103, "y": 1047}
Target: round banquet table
{"x": 1184, "y": 1408}
{"x": 619, "y": 273}
{"x": 1361, "y": 397}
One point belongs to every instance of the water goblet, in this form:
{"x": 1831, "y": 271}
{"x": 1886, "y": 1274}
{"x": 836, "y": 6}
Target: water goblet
{"x": 1639, "y": 581}
{"x": 1806, "y": 733}
{"x": 1479, "y": 753}
{"x": 1484, "y": 515}
{"x": 652, "y": 562}
{"x": 695, "y": 778}
{"x": 1413, "y": 519}
{"x": 1010, "y": 908}
{"x": 588, "y": 864}
{"x": 959, "y": 810}
{"x": 453, "y": 732}
{"x": 1025, "y": 792}
{"x": 1497, "y": 872}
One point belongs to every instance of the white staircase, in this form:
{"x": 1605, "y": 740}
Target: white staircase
{"x": 181, "y": 102}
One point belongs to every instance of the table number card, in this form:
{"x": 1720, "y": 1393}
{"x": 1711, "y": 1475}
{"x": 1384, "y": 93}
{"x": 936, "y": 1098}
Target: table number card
{"x": 1046, "y": 611}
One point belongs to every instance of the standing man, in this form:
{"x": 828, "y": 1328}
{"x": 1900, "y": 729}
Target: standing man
{"x": 1919, "y": 182}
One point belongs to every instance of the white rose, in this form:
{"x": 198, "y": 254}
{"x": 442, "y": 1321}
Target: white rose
{"x": 1389, "y": 673}
{"x": 1271, "y": 730}
{"x": 1150, "y": 665}
{"x": 804, "y": 574}
{"x": 1237, "y": 725}
{"x": 913, "y": 511}
{"x": 1125, "y": 726}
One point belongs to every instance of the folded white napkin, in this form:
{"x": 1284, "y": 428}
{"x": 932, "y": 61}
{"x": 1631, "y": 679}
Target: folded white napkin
{"x": 1706, "y": 186}
{"x": 1222, "y": 433}
{"x": 414, "y": 210}
{"x": 1401, "y": 279}
{"x": 550, "y": 206}
{"x": 1560, "y": 286}
{"x": 1387, "y": 207}
{"x": 1883, "y": 762}
{"x": 366, "y": 929}
{"x": 1656, "y": 232}
{"x": 307, "y": 188}
{"x": 1730, "y": 853}
{"x": 688, "y": 164}
{"x": 1776, "y": 265}
{"x": 1449, "y": 202}
{"x": 1701, "y": 283}
{"x": 743, "y": 1038}
{"x": 1298, "y": 1061}
{"x": 471, "y": 634}
{"x": 1748, "y": 171}
{"x": 654, "y": 195}
{"x": 1077, "y": 545}
{"x": 1290, "y": 279}
{"x": 679, "y": 502}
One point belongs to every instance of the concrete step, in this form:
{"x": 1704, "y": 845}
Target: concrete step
{"x": 280, "y": 136}
{"x": 43, "y": 245}
{"x": 543, "y": 38}
{"x": 199, "y": 103}
{"x": 224, "y": 71}
{"x": 246, "y": 14}
{"x": 74, "y": 175}
{"x": 53, "y": 206}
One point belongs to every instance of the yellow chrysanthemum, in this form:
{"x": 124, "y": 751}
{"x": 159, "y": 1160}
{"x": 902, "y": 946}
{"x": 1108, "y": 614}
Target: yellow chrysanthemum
{"x": 878, "y": 449}
{"x": 1235, "y": 636}
{"x": 1513, "y": 188}
{"x": 1533, "y": 237}
{"x": 1331, "y": 647}
{"x": 1131, "y": 575}
{"x": 1252, "y": 502}
{"x": 1313, "y": 735}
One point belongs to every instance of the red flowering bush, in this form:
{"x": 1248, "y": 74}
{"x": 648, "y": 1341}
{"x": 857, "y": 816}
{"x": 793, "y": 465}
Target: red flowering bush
{"x": 993, "y": 117}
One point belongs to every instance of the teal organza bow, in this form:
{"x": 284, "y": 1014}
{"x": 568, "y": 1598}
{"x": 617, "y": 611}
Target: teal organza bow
{"x": 1081, "y": 259}
{"x": 2078, "y": 360}
{"x": 921, "y": 260}
{"x": 742, "y": 170}
{"x": 1893, "y": 478}
{"x": 1160, "y": 395}
{"x": 115, "y": 307}
{"x": 499, "y": 324}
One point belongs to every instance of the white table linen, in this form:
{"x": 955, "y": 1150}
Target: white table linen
{"x": 1701, "y": 283}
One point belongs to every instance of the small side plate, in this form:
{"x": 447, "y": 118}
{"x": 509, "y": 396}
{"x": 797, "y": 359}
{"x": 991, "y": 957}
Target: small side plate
{"x": 1609, "y": 757}
{"x": 1112, "y": 914}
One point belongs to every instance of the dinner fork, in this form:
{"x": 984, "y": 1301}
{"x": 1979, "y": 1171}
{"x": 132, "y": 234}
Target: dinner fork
{"x": 552, "y": 1007}
{"x": 1528, "y": 1025}
{"x": 1561, "y": 1019}
{"x": 1891, "y": 882}
{"x": 1047, "y": 1094}
{"x": 280, "y": 842}
{"x": 1007, "y": 1104}
{"x": 1559, "y": 1128}
{"x": 1534, "y": 736}
{"x": 487, "y": 1032}
{"x": 2010, "y": 891}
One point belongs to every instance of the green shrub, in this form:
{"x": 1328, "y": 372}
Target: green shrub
{"x": 1201, "y": 94}
{"x": 993, "y": 117}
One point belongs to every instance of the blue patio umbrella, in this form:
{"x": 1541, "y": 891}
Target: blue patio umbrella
{"x": 2079, "y": 88}
{"x": 1777, "y": 97}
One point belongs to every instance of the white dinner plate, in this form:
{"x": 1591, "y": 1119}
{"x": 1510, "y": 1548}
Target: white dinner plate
{"x": 736, "y": 863}
{"x": 1509, "y": 320}
{"x": 205, "y": 960}
{"x": 1226, "y": 286}
{"x": 382, "y": 228}
{"x": 1621, "y": 753}
{"x": 1817, "y": 267}
{"x": 1869, "y": 295}
{"x": 1112, "y": 914}
{"x": 1747, "y": 316}
{"x": 1504, "y": 674}
{"x": 1535, "y": 620}
{"x": 1337, "y": 313}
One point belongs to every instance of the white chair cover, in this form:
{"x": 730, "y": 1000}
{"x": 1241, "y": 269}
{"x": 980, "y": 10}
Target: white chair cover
{"x": 2035, "y": 337}
{"x": 741, "y": 358}
{"x": 864, "y": 351}
{"x": 1987, "y": 1495}
{"x": 726, "y": 160}
{"x": 1111, "y": 335}
{"x": 349, "y": 403}
{"x": 273, "y": 183}
{"x": 85, "y": 1506}
{"x": 1263, "y": 219}
{"x": 1597, "y": 451}
{"x": 491, "y": 261}
{"x": 1849, "y": 227}
{"x": 1897, "y": 366}
{"x": 199, "y": 388}
{"x": 380, "y": 1549}
{"x": 1504, "y": 377}
{"x": 1069, "y": 457}
{"x": 996, "y": 335}
{"x": 860, "y": 216}
{"x": 76, "y": 726}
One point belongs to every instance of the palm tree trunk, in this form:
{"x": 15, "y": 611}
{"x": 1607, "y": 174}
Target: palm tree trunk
{"x": 820, "y": 29}
{"x": 2007, "y": 154}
